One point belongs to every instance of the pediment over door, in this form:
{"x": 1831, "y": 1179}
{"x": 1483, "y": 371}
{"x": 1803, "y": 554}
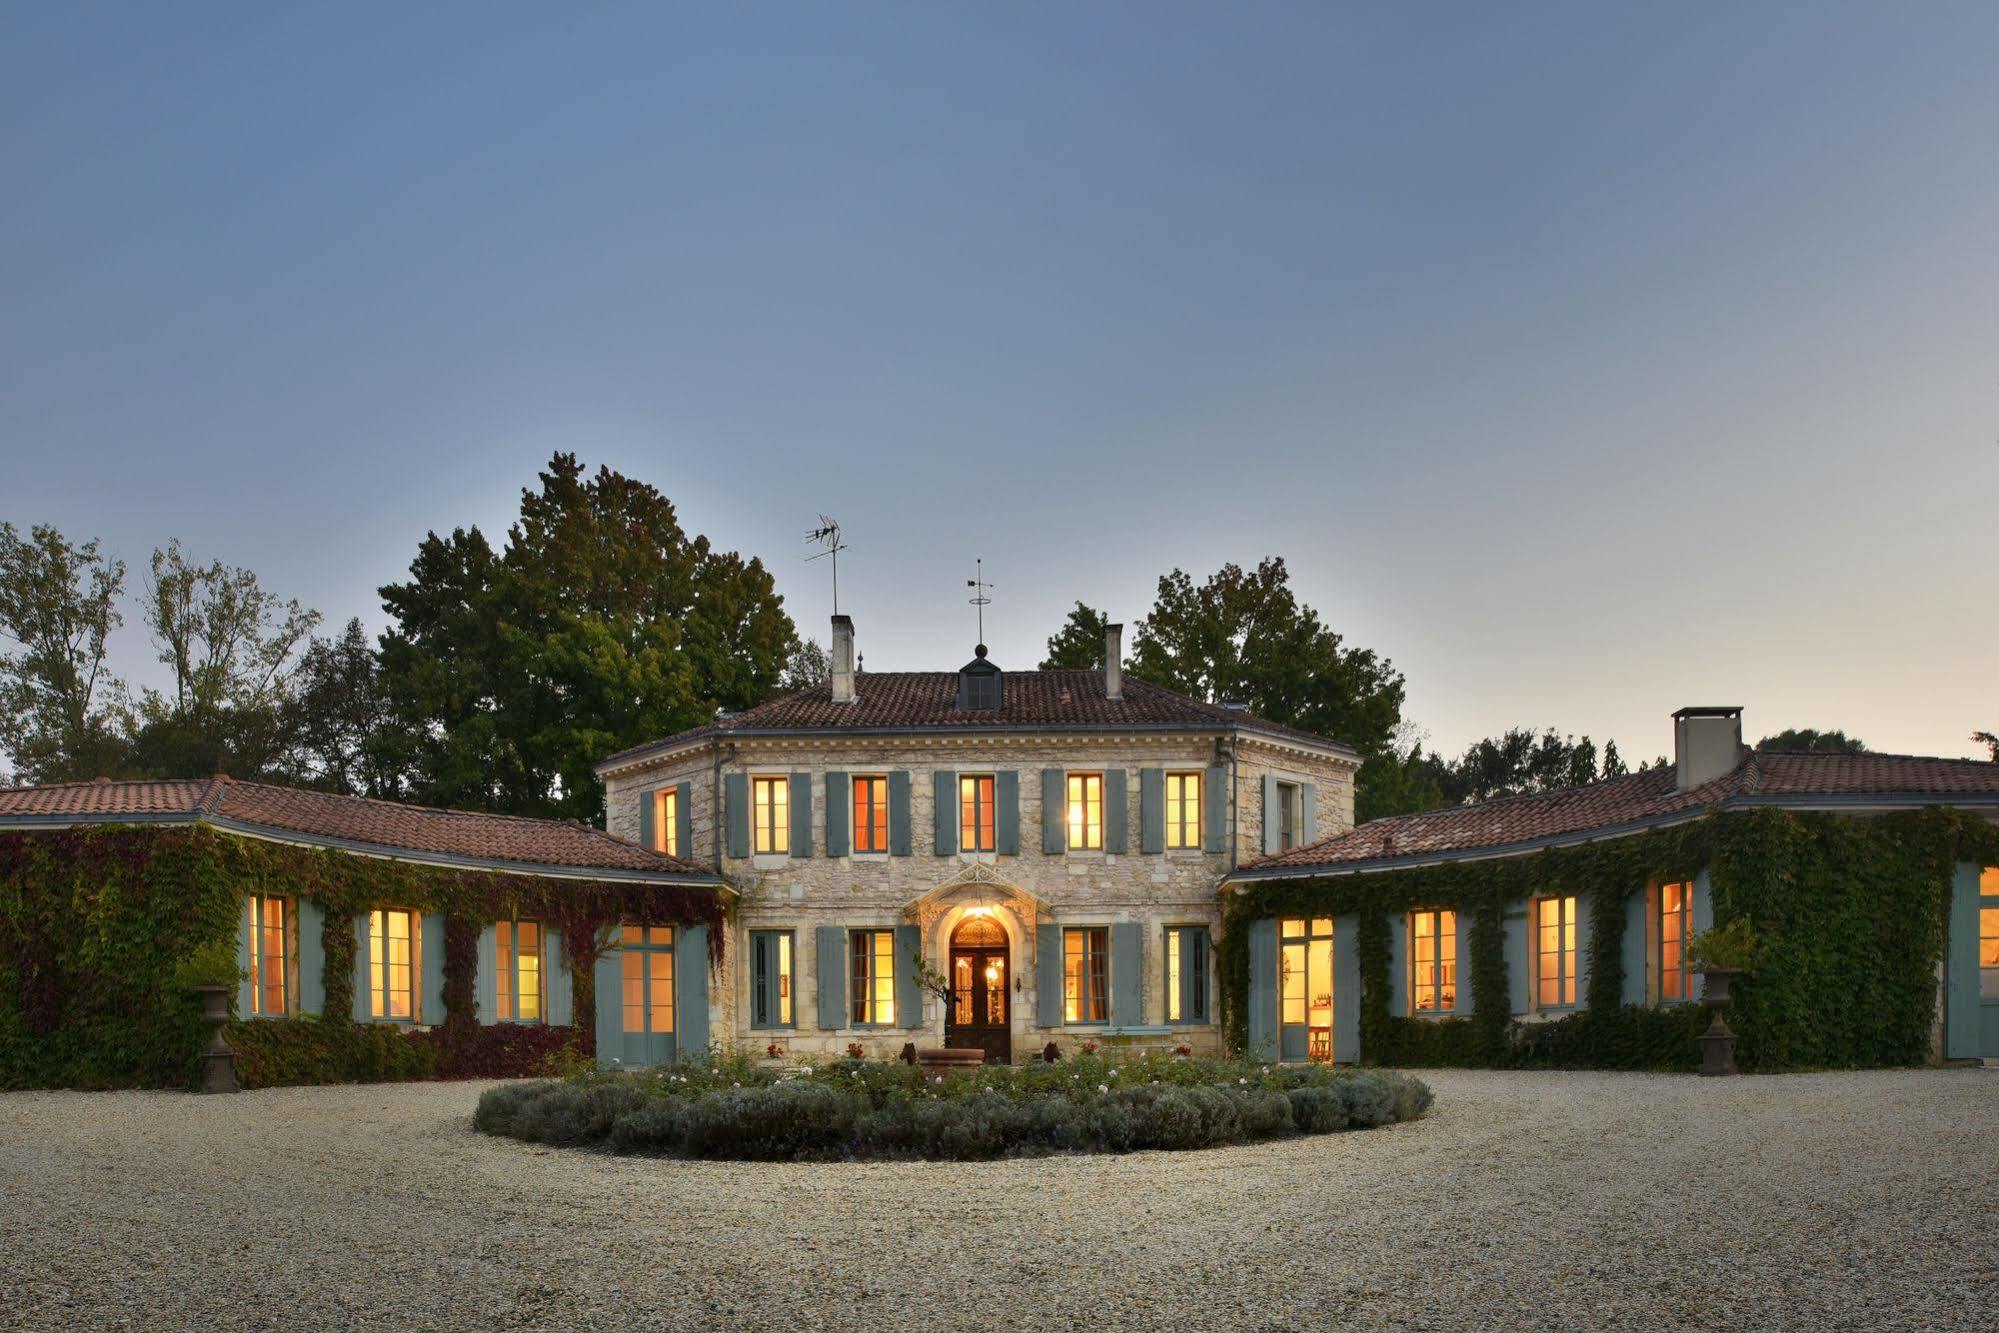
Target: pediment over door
{"x": 976, "y": 882}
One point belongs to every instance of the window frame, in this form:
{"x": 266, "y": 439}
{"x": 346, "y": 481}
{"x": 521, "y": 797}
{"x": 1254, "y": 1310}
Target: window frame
{"x": 876, "y": 784}
{"x": 646, "y": 951}
{"x": 1310, "y": 931}
{"x": 1567, "y": 950}
{"x": 507, "y": 976}
{"x": 1685, "y": 915}
{"x": 1173, "y": 961}
{"x": 984, "y": 791}
{"x": 867, "y": 989}
{"x": 1087, "y": 978}
{"x": 1443, "y": 922}
{"x": 1187, "y": 832}
{"x": 781, "y": 945}
{"x": 666, "y": 820}
{"x": 379, "y": 994}
{"x": 770, "y": 794}
{"x": 1073, "y": 801}
{"x": 1290, "y": 814}
{"x": 259, "y": 955}
{"x": 1988, "y": 908}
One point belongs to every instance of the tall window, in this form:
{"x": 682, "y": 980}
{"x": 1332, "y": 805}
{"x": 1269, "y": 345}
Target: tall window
{"x": 666, "y": 820}
{"x": 517, "y": 971}
{"x": 391, "y": 964}
{"x": 1555, "y": 949}
{"x": 645, "y": 964}
{"x": 1086, "y": 974}
{"x": 1183, "y": 811}
{"x": 976, "y": 832}
{"x": 770, "y": 978}
{"x": 269, "y": 991}
{"x": 1305, "y": 960}
{"x": 771, "y": 806}
{"x": 870, "y": 814}
{"x": 1433, "y": 961}
{"x": 1186, "y": 974}
{"x": 1676, "y": 922}
{"x": 873, "y": 971}
{"x": 1086, "y": 811}
{"x": 1287, "y": 816}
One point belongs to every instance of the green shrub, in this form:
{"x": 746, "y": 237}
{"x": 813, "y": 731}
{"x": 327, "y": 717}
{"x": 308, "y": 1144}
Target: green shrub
{"x": 1317, "y": 1110}
{"x": 1369, "y": 1100}
{"x": 1413, "y": 1097}
{"x": 658, "y": 1128}
{"x": 292, "y": 1052}
{"x": 799, "y": 1118}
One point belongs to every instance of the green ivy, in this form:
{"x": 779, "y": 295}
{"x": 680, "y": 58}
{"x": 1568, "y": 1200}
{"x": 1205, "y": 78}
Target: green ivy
{"x": 1852, "y": 910}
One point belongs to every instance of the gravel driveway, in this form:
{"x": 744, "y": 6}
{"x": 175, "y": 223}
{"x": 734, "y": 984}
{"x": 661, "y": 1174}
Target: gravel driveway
{"x": 1851, "y": 1200}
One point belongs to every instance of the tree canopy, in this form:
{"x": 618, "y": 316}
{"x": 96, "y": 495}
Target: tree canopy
{"x": 60, "y": 708}
{"x": 1807, "y": 740}
{"x": 1079, "y": 644}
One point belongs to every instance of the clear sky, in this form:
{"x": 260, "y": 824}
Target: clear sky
{"x": 1586, "y": 361}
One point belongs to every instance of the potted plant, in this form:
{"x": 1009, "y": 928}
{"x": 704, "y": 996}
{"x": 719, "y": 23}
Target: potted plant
{"x": 211, "y": 973}
{"x": 856, "y": 1051}
{"x": 1720, "y": 955}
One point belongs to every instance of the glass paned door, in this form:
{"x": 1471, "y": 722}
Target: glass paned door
{"x": 1305, "y": 992}
{"x": 645, "y": 964}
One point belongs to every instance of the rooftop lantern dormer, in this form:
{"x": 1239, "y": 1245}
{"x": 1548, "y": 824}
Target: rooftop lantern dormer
{"x": 979, "y": 686}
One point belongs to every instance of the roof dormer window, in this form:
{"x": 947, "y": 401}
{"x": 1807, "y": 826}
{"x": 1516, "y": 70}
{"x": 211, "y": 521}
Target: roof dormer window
{"x": 979, "y": 684}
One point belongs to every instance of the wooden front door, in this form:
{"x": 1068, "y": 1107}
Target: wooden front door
{"x": 981, "y": 988}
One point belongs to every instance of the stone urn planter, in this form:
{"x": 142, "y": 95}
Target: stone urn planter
{"x": 1718, "y": 1043}
{"x": 942, "y": 1059}
{"x": 218, "y": 1062}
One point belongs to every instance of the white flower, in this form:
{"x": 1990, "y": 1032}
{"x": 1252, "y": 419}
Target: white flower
{"x": 1102, "y": 1088}
{"x": 806, "y": 1070}
{"x": 1243, "y": 1081}
{"x": 938, "y": 1079}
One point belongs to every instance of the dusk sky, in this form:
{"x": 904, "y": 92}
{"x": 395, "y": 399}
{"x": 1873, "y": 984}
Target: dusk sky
{"x": 1586, "y": 362}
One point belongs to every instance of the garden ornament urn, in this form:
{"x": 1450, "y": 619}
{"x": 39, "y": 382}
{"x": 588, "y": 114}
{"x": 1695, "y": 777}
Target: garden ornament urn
{"x": 218, "y": 1062}
{"x": 1718, "y": 1043}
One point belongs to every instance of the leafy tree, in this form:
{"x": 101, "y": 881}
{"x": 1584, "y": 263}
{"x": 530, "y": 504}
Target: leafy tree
{"x": 1807, "y": 740}
{"x": 1079, "y": 644}
{"x": 1613, "y": 762}
{"x": 600, "y": 624}
{"x": 1400, "y": 783}
{"x": 60, "y": 707}
{"x": 809, "y": 665}
{"x": 1989, "y": 740}
{"x": 1520, "y": 761}
{"x": 336, "y": 721}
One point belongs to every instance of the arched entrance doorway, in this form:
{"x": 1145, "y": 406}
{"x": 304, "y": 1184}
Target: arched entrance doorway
{"x": 981, "y": 1013}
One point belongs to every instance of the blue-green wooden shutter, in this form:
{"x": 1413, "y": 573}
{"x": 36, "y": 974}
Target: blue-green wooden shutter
{"x": 1054, "y": 823}
{"x": 831, "y": 945}
{"x": 243, "y": 946}
{"x": 1215, "y": 803}
{"x": 1638, "y": 908}
{"x": 839, "y": 821}
{"x": 1127, "y": 974}
{"x": 361, "y": 997}
{"x": 801, "y": 814}
{"x": 1961, "y": 983}
{"x": 1519, "y": 983}
{"x": 1273, "y": 823}
{"x": 1151, "y": 809}
{"x": 1585, "y": 928}
{"x": 761, "y": 979}
{"x": 1006, "y": 811}
{"x": 690, "y": 992}
{"x": 1309, "y": 819}
{"x": 898, "y": 813}
{"x": 683, "y": 821}
{"x": 1262, "y": 1016}
{"x": 1048, "y": 974}
{"x": 908, "y": 994}
{"x": 1398, "y": 965}
{"x": 1462, "y": 1003}
{"x": 1703, "y": 920}
{"x": 1117, "y": 811}
{"x": 1346, "y": 988}
{"x": 1194, "y": 982}
{"x": 736, "y": 800}
{"x": 559, "y": 1003}
{"x": 311, "y": 957}
{"x": 485, "y": 983}
{"x": 648, "y": 819}
{"x": 430, "y": 1005}
{"x": 610, "y": 1006}
{"x": 944, "y": 811}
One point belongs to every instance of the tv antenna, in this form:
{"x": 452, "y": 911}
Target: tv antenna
{"x": 980, "y": 588}
{"x": 827, "y": 534}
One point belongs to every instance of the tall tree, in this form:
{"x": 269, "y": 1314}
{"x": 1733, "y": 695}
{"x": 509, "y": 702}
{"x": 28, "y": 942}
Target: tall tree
{"x": 809, "y": 665}
{"x": 1079, "y": 644}
{"x": 60, "y": 707}
{"x": 601, "y": 624}
{"x": 1808, "y": 740}
{"x": 1989, "y": 740}
{"x": 336, "y": 724}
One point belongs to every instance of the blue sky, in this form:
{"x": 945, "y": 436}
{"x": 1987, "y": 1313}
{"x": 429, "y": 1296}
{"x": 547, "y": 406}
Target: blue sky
{"x": 1587, "y": 363}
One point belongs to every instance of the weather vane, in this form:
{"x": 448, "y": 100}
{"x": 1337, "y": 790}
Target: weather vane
{"x": 827, "y": 534}
{"x": 980, "y": 588}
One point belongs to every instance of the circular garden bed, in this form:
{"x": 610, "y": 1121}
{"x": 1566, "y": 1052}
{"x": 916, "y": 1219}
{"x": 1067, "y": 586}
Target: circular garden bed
{"x": 853, "y": 1109}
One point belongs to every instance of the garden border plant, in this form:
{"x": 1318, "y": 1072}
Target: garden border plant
{"x": 1852, "y": 912}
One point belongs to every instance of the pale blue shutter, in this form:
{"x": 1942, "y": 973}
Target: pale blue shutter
{"x": 485, "y": 983}
{"x": 1127, "y": 975}
{"x": 362, "y": 1006}
{"x": 1961, "y": 983}
{"x": 839, "y": 821}
{"x": 683, "y": 821}
{"x": 1054, "y": 823}
{"x": 648, "y": 819}
{"x": 831, "y": 947}
{"x": 1006, "y": 811}
{"x": 1585, "y": 928}
{"x": 1273, "y": 825}
{"x": 1309, "y": 815}
{"x": 1048, "y": 975}
{"x": 1631, "y": 950}
{"x": 898, "y": 813}
{"x": 1346, "y": 988}
{"x": 908, "y": 994}
{"x": 1398, "y": 965}
{"x": 944, "y": 811}
{"x": 1194, "y": 983}
{"x": 559, "y": 1001}
{"x": 1519, "y": 979}
{"x": 1151, "y": 810}
{"x": 1262, "y": 1016}
{"x": 311, "y": 957}
{"x": 801, "y": 814}
{"x": 610, "y": 1006}
{"x": 430, "y": 951}
{"x": 1215, "y": 806}
{"x": 1117, "y": 810}
{"x": 1463, "y": 1002}
{"x": 690, "y": 993}
{"x": 736, "y": 802}
{"x": 244, "y": 944}
{"x": 1703, "y": 920}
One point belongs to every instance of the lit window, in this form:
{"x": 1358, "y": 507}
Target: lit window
{"x": 1988, "y": 946}
{"x": 1555, "y": 931}
{"x": 976, "y": 832}
{"x": 666, "y": 821}
{"x": 1183, "y": 811}
{"x": 873, "y": 955}
{"x": 772, "y": 809}
{"x": 517, "y": 972}
{"x": 1186, "y": 974}
{"x": 770, "y": 978}
{"x": 1676, "y": 920}
{"x": 1086, "y": 811}
{"x": 645, "y": 971}
{"x": 1306, "y": 988}
{"x": 1085, "y": 974}
{"x": 391, "y": 964}
{"x": 1433, "y": 961}
{"x": 269, "y": 994}
{"x": 1287, "y": 815}
{"x": 870, "y": 814}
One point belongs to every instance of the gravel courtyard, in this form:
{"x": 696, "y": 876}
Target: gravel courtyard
{"x": 1598, "y": 1200}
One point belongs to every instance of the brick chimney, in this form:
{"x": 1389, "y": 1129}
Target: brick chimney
{"x": 842, "y": 663}
{"x": 1113, "y": 662}
{"x": 1707, "y": 742}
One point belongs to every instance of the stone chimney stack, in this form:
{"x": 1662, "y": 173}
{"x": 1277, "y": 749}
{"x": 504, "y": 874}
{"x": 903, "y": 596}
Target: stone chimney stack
{"x": 1707, "y": 742}
{"x": 1114, "y": 662}
{"x": 842, "y": 655}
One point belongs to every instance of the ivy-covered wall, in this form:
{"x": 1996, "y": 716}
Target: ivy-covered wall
{"x": 1851, "y": 912}
{"x": 105, "y": 929}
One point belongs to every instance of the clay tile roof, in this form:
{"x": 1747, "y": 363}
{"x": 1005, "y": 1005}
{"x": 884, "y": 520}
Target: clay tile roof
{"x": 1518, "y": 822}
{"x": 456, "y": 835}
{"x": 1032, "y": 700}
